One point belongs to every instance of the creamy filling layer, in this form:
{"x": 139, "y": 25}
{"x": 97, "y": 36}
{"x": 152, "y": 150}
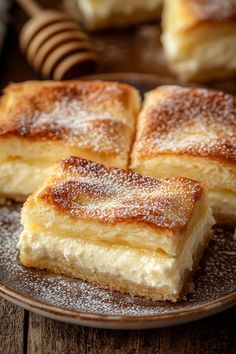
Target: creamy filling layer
{"x": 153, "y": 269}
{"x": 20, "y": 178}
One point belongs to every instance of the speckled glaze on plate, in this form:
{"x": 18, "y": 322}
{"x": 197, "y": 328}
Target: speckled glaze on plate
{"x": 81, "y": 303}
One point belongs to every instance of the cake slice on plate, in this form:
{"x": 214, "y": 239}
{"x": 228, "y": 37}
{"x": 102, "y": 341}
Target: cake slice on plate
{"x": 190, "y": 132}
{"x": 43, "y": 122}
{"x": 117, "y": 229}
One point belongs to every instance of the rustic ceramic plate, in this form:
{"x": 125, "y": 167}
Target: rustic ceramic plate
{"x": 78, "y": 302}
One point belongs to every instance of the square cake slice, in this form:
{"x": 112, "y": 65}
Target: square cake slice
{"x": 117, "y": 229}
{"x": 190, "y": 132}
{"x": 44, "y": 122}
{"x": 199, "y": 38}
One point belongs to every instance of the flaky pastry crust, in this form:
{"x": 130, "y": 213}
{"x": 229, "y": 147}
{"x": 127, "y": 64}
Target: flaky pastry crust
{"x": 187, "y": 121}
{"x": 94, "y": 116}
{"x": 92, "y": 191}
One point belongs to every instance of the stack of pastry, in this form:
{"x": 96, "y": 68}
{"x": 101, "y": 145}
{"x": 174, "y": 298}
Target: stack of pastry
{"x": 117, "y": 228}
{"x": 199, "y": 38}
{"x": 41, "y": 123}
{"x": 190, "y": 132}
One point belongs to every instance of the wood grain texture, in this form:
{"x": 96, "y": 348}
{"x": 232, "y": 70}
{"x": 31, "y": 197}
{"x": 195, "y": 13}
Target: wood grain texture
{"x": 11, "y": 328}
{"x": 215, "y": 335}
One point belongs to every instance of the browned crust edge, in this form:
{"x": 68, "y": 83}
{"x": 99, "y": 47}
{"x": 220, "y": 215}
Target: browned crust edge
{"x": 202, "y": 17}
{"x": 203, "y": 23}
{"x": 47, "y": 195}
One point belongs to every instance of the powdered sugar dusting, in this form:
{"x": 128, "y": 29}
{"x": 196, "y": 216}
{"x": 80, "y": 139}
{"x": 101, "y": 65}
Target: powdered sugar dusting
{"x": 213, "y": 9}
{"x": 89, "y": 190}
{"x": 188, "y": 120}
{"x": 96, "y": 116}
{"x": 74, "y": 123}
{"x": 67, "y": 114}
{"x": 215, "y": 279}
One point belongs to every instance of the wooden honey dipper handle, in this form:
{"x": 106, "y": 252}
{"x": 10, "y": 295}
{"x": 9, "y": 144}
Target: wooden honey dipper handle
{"x": 30, "y": 7}
{"x": 55, "y": 45}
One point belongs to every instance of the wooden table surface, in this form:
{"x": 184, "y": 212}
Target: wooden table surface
{"x": 136, "y": 50}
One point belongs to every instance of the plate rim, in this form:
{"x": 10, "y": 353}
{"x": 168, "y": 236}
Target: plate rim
{"x": 120, "y": 321}
{"x": 132, "y": 76}
{"x": 73, "y": 316}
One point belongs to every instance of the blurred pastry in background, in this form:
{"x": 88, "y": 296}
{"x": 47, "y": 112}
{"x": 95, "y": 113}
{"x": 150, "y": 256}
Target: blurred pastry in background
{"x": 99, "y": 14}
{"x": 199, "y": 38}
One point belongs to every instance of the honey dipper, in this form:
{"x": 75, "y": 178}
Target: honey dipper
{"x": 54, "y": 44}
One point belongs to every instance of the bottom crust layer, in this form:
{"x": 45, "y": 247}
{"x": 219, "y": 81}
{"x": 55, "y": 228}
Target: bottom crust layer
{"x": 116, "y": 283}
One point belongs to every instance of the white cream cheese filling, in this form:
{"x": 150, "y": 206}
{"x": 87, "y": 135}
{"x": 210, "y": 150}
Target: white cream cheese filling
{"x": 153, "y": 269}
{"x": 20, "y": 178}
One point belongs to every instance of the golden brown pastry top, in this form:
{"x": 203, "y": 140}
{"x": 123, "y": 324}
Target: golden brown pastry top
{"x": 71, "y": 111}
{"x": 191, "y": 121}
{"x": 189, "y": 13}
{"x": 215, "y": 10}
{"x": 92, "y": 191}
